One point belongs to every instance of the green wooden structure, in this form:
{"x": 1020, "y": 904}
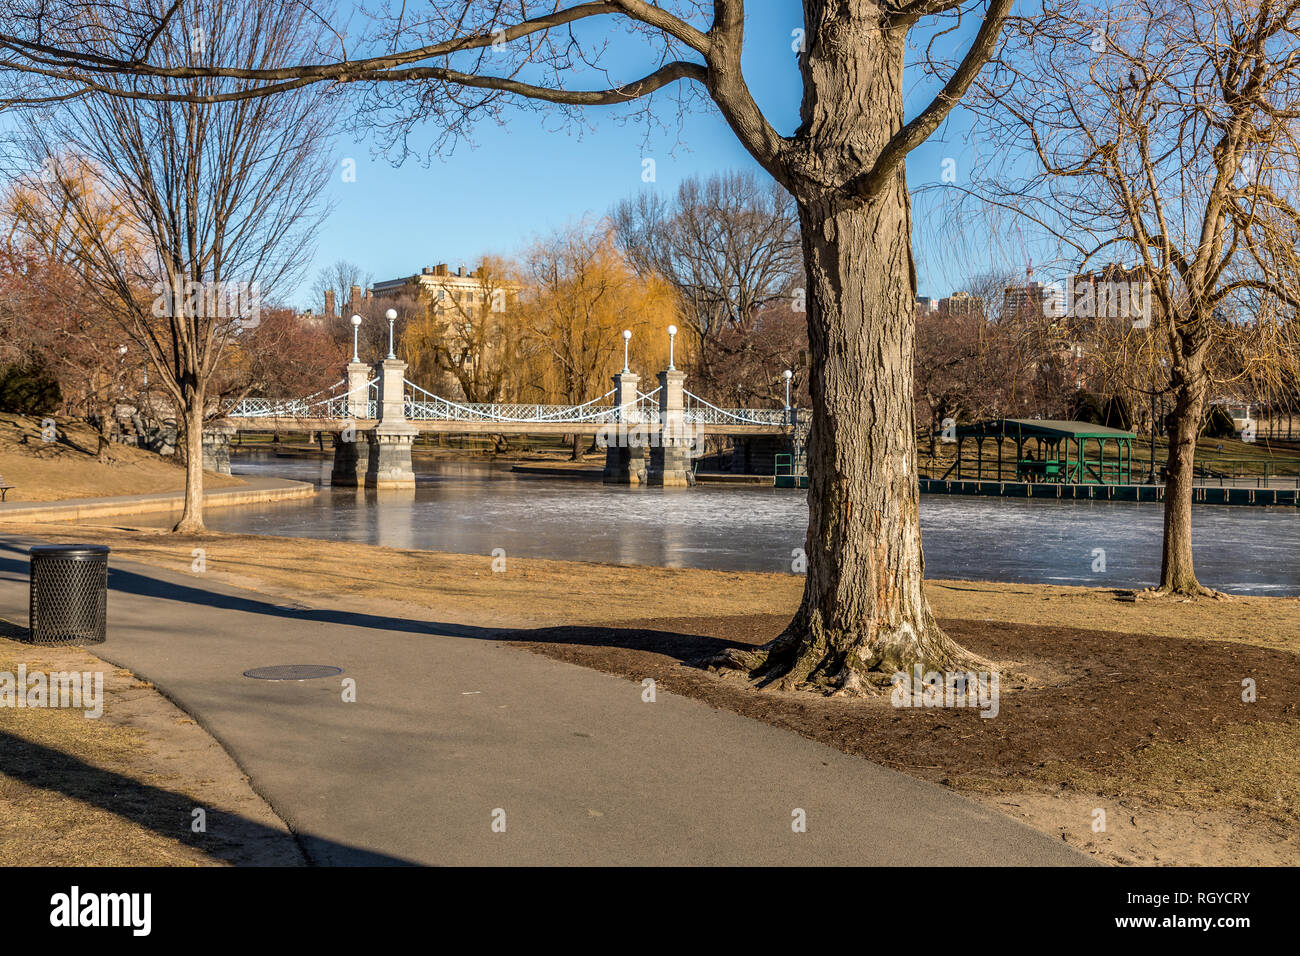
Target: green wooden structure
{"x": 1046, "y": 450}
{"x": 784, "y": 475}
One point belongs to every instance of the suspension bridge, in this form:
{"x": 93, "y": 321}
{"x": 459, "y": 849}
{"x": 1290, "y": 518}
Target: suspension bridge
{"x": 375, "y": 413}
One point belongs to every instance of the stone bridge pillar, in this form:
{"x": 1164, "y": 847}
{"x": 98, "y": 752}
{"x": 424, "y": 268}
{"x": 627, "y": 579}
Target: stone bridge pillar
{"x": 352, "y": 446}
{"x": 389, "y": 464}
{"x": 359, "y": 376}
{"x": 670, "y": 456}
{"x": 625, "y": 464}
{"x": 216, "y": 446}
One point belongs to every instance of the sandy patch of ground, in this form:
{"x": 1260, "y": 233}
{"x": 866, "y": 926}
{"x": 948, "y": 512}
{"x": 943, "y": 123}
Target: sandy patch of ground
{"x": 121, "y": 790}
{"x": 70, "y": 468}
{"x": 1139, "y": 833}
{"x": 1133, "y": 708}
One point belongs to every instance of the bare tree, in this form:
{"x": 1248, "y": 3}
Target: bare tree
{"x": 580, "y": 294}
{"x": 337, "y": 280}
{"x": 729, "y": 245}
{"x": 285, "y": 355}
{"x": 50, "y": 318}
{"x": 864, "y": 614}
{"x": 222, "y": 188}
{"x": 1165, "y": 136}
{"x": 471, "y": 335}
{"x": 752, "y": 361}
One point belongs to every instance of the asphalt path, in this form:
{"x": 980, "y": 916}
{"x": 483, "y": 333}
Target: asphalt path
{"x": 459, "y": 749}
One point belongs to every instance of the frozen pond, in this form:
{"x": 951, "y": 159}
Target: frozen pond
{"x": 474, "y": 508}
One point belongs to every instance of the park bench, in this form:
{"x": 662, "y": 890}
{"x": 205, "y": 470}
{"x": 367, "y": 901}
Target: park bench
{"x": 4, "y": 489}
{"x": 1034, "y": 470}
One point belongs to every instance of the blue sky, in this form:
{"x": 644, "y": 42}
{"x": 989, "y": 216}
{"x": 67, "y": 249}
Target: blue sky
{"x": 533, "y": 175}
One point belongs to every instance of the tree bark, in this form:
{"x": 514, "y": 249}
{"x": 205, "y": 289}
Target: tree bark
{"x": 864, "y": 615}
{"x": 191, "y": 520}
{"x": 1177, "y": 571}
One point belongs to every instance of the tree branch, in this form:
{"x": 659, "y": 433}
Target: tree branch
{"x": 869, "y": 184}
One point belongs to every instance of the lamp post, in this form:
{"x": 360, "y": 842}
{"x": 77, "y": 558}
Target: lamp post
{"x": 672, "y": 335}
{"x": 356, "y": 328}
{"x": 627, "y": 338}
{"x": 787, "y": 375}
{"x": 391, "y": 316}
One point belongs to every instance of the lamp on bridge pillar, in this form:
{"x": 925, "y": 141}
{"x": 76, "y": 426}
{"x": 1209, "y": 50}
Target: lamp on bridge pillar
{"x": 672, "y": 335}
{"x": 787, "y": 375}
{"x": 627, "y": 339}
{"x": 356, "y": 327}
{"x": 389, "y": 462}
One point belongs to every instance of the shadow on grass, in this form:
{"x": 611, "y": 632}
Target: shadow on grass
{"x": 229, "y": 837}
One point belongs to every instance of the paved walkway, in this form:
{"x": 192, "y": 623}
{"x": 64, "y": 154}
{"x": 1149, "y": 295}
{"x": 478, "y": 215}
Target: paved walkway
{"x": 450, "y": 725}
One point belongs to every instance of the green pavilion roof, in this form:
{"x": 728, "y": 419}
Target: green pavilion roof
{"x": 1039, "y": 428}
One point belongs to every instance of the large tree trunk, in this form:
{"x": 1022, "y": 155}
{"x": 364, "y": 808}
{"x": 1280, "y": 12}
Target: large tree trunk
{"x": 864, "y": 615}
{"x": 191, "y": 520}
{"x": 1177, "y": 570}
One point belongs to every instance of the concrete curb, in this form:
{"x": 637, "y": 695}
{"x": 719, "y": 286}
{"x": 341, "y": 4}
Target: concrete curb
{"x": 257, "y": 491}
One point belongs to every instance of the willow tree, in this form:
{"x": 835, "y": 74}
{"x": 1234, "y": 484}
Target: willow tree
{"x": 729, "y": 244}
{"x": 1164, "y": 134}
{"x": 864, "y": 612}
{"x": 580, "y": 294}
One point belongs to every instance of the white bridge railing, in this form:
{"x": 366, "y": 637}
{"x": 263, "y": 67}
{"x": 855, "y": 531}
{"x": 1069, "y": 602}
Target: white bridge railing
{"x": 337, "y": 406}
{"x": 424, "y": 406}
{"x": 700, "y": 412}
{"x": 420, "y": 405}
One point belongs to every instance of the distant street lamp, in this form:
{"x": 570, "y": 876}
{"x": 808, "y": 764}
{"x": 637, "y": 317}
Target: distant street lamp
{"x": 627, "y": 338}
{"x": 391, "y": 316}
{"x": 672, "y": 335}
{"x": 356, "y": 328}
{"x": 787, "y": 375}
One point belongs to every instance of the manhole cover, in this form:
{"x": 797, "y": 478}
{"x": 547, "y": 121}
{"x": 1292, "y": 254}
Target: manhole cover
{"x": 293, "y": 672}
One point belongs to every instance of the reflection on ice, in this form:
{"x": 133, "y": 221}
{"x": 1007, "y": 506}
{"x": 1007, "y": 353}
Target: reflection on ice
{"x": 474, "y": 508}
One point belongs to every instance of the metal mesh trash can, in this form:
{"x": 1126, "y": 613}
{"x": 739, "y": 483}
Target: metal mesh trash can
{"x": 69, "y": 593}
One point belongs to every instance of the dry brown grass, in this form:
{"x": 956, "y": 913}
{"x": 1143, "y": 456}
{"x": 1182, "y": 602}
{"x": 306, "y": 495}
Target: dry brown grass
{"x": 88, "y": 792}
{"x": 541, "y": 592}
{"x": 70, "y": 468}
{"x": 1248, "y": 768}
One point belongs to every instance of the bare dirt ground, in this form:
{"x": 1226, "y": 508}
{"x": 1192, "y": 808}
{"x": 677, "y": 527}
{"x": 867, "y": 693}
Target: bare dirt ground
{"x": 121, "y": 790}
{"x": 1131, "y": 708}
{"x": 70, "y": 468}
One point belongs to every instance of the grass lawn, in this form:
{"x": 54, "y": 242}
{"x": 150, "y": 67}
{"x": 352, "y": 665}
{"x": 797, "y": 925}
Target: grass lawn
{"x": 121, "y": 790}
